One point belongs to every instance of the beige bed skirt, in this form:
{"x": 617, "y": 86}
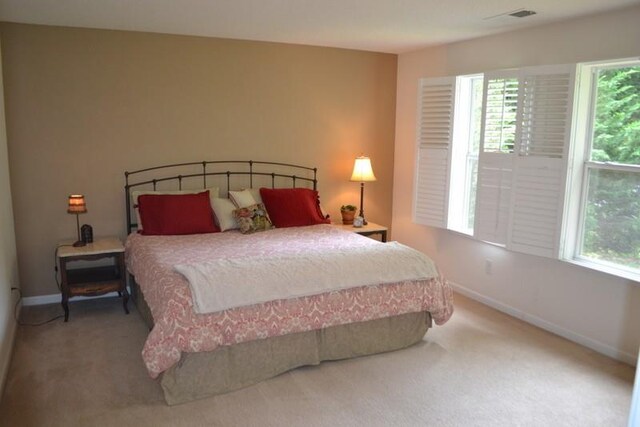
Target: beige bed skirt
{"x": 200, "y": 375}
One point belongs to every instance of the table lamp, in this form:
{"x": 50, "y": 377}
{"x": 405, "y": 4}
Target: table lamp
{"x": 362, "y": 172}
{"x": 77, "y": 206}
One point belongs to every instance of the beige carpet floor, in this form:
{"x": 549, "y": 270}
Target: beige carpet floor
{"x": 483, "y": 368}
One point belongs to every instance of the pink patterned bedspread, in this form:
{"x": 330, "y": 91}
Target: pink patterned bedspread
{"x": 179, "y": 329}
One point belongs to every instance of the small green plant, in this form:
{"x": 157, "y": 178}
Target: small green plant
{"x": 348, "y": 208}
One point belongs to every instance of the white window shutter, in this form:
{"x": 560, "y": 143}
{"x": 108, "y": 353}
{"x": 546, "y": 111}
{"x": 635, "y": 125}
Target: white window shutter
{"x": 493, "y": 200}
{"x": 436, "y": 102}
{"x": 500, "y": 112}
{"x": 495, "y": 160}
{"x": 545, "y": 118}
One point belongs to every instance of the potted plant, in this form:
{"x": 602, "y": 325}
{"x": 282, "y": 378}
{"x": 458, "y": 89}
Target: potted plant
{"x": 348, "y": 213}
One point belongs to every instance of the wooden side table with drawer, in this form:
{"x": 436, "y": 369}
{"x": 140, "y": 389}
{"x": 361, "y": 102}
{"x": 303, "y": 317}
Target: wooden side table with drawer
{"x": 93, "y": 280}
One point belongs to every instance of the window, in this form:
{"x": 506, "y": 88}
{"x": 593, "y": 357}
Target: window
{"x": 538, "y": 162}
{"x": 464, "y": 161}
{"x": 448, "y": 140}
{"x": 608, "y": 222}
{"x": 522, "y": 161}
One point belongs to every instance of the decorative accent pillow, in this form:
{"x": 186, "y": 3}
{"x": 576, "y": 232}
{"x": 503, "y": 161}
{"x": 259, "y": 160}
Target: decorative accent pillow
{"x": 253, "y": 218}
{"x": 223, "y": 209}
{"x": 174, "y": 214}
{"x": 293, "y": 207}
{"x": 255, "y": 192}
{"x": 213, "y": 193}
{"x": 242, "y": 199}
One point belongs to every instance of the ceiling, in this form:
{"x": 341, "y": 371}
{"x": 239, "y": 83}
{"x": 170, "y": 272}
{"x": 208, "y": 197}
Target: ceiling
{"x": 393, "y": 26}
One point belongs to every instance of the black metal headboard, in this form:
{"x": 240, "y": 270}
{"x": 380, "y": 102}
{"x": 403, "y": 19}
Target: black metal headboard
{"x": 268, "y": 171}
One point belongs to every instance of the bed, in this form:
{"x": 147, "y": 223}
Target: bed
{"x": 198, "y": 353}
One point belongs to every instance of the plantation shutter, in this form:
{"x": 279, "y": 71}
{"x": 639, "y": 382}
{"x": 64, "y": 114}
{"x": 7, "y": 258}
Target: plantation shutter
{"x": 495, "y": 160}
{"x": 434, "y": 138}
{"x": 545, "y": 117}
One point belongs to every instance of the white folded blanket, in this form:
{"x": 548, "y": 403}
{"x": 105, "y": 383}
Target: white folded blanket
{"x": 228, "y": 283}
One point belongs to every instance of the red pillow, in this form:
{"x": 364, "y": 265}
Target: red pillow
{"x": 293, "y": 207}
{"x": 169, "y": 214}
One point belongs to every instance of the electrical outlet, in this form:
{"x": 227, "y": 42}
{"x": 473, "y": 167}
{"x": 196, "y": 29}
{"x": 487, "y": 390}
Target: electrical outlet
{"x": 488, "y": 265}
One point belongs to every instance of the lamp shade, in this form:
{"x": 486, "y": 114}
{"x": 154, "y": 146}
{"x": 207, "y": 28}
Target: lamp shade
{"x": 76, "y": 204}
{"x": 362, "y": 171}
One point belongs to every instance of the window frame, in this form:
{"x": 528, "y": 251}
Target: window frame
{"x": 581, "y": 144}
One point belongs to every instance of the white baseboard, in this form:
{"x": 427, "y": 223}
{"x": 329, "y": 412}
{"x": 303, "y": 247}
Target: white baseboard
{"x": 605, "y": 349}
{"x": 57, "y": 298}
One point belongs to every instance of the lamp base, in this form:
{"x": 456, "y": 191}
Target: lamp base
{"x": 78, "y": 242}
{"x": 364, "y": 221}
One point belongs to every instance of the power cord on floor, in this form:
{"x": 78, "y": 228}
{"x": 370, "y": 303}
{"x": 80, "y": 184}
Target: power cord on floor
{"x": 15, "y": 312}
{"x": 55, "y": 275}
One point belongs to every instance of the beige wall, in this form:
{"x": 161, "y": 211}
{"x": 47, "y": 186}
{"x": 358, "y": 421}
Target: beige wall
{"x": 8, "y": 259}
{"x": 84, "y": 105}
{"x": 596, "y": 309}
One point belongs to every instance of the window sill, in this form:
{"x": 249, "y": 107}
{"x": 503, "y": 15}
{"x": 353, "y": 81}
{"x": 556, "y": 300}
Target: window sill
{"x": 624, "y": 274}
{"x": 461, "y": 232}
{"x": 618, "y": 272}
{"x": 470, "y": 236}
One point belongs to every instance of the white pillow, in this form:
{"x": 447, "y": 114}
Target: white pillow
{"x": 255, "y": 192}
{"x": 214, "y": 192}
{"x": 223, "y": 208}
{"x": 242, "y": 199}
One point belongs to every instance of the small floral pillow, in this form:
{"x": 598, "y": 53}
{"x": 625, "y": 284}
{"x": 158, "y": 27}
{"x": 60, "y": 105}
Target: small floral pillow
{"x": 253, "y": 218}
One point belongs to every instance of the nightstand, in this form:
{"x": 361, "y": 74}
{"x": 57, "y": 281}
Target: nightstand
{"x": 96, "y": 280}
{"x": 366, "y": 230}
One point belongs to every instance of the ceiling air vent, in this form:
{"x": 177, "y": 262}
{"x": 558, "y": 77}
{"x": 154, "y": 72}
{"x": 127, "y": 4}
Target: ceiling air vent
{"x": 522, "y": 13}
